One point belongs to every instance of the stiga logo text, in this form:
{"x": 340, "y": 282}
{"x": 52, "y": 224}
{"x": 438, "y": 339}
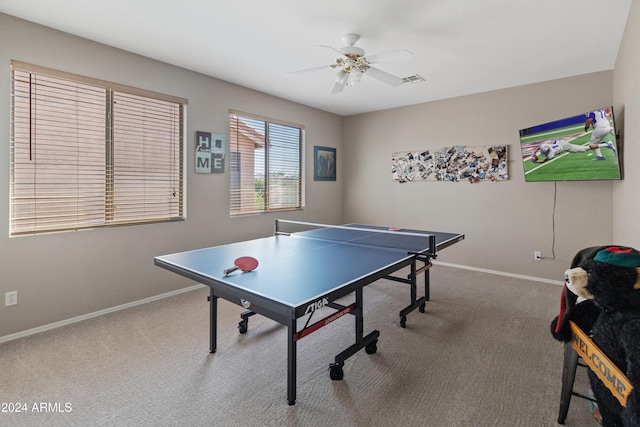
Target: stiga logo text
{"x": 316, "y": 305}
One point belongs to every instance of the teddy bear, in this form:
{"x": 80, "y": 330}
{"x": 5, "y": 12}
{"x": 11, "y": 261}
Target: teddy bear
{"x": 610, "y": 282}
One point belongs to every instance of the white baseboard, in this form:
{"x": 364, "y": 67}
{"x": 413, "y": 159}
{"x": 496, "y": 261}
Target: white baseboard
{"x": 500, "y": 273}
{"x": 54, "y": 325}
{"x": 191, "y": 288}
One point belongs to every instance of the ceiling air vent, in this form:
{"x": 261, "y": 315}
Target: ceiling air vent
{"x": 413, "y": 79}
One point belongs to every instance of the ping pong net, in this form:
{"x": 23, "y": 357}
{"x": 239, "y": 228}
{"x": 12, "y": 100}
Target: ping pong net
{"x": 411, "y": 241}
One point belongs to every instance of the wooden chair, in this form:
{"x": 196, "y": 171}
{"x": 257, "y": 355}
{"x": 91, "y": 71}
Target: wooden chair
{"x": 570, "y": 364}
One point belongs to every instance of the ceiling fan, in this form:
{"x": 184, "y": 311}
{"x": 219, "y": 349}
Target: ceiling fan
{"x": 352, "y": 64}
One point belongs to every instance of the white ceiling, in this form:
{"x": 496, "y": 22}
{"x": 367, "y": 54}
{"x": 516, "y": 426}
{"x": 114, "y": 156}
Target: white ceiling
{"x": 460, "y": 47}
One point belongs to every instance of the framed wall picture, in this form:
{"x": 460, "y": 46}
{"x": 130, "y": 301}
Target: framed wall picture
{"x": 324, "y": 163}
{"x": 210, "y": 149}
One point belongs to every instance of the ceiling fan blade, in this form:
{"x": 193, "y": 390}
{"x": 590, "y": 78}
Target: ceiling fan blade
{"x": 332, "y": 48}
{"x": 396, "y": 55}
{"x": 337, "y": 87}
{"x": 308, "y": 70}
{"x": 383, "y": 76}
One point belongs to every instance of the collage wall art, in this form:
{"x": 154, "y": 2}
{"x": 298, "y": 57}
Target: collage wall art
{"x": 454, "y": 164}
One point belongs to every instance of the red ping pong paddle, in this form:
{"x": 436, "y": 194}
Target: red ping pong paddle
{"x": 244, "y": 263}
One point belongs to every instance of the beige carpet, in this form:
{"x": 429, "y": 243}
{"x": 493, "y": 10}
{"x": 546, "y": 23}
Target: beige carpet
{"x": 481, "y": 355}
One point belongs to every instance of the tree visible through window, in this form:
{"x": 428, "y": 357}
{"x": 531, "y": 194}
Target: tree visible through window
{"x": 266, "y": 164}
{"x": 87, "y": 153}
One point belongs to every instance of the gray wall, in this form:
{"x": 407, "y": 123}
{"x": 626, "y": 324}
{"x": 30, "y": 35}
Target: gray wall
{"x": 64, "y": 275}
{"x": 60, "y": 276}
{"x": 626, "y": 195}
{"x": 504, "y": 222}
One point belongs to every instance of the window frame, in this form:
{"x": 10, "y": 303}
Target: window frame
{"x": 238, "y": 205}
{"x": 173, "y": 141}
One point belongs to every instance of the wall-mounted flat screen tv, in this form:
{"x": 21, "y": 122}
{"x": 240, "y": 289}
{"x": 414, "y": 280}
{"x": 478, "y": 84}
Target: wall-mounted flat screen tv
{"x": 578, "y": 148}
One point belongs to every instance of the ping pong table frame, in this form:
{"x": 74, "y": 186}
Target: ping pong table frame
{"x": 289, "y": 316}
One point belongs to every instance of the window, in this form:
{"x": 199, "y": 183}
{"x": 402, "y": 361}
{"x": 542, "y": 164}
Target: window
{"x": 266, "y": 163}
{"x": 87, "y": 153}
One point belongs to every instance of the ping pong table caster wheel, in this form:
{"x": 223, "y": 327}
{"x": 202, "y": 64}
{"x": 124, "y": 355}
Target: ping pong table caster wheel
{"x": 421, "y": 308}
{"x": 403, "y": 321}
{"x": 243, "y": 326}
{"x": 371, "y": 348}
{"x": 335, "y": 372}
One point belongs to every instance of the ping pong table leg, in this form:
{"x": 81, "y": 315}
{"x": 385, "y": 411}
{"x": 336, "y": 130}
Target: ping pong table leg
{"x": 412, "y": 280}
{"x": 359, "y": 316}
{"x": 427, "y": 282}
{"x": 414, "y": 284}
{"x": 291, "y": 362}
{"x": 213, "y": 321}
{"x": 369, "y": 342}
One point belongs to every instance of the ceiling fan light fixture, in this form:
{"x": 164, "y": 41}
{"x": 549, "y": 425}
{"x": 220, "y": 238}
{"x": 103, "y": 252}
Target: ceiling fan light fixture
{"x": 352, "y": 64}
{"x": 342, "y": 77}
{"x": 354, "y": 76}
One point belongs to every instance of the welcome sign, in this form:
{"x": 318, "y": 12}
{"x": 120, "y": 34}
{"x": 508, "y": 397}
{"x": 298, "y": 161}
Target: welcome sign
{"x": 616, "y": 381}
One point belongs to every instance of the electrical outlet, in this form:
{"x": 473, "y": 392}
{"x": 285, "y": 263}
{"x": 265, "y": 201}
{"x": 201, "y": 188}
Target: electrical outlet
{"x": 10, "y": 298}
{"x": 537, "y": 255}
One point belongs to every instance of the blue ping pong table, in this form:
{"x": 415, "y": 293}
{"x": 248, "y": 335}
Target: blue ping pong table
{"x": 302, "y": 272}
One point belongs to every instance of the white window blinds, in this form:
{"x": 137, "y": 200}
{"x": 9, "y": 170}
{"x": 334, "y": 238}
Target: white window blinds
{"x": 86, "y": 153}
{"x": 266, "y": 165}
